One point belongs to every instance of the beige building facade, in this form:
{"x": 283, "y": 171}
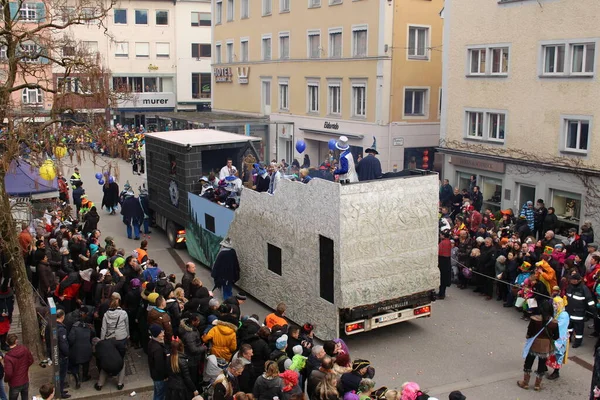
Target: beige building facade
{"x": 366, "y": 69}
{"x": 520, "y": 103}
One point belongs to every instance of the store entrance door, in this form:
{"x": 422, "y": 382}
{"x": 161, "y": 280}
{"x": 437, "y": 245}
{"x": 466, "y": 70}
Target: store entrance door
{"x": 526, "y": 193}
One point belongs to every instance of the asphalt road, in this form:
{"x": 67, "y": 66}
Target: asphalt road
{"x": 468, "y": 344}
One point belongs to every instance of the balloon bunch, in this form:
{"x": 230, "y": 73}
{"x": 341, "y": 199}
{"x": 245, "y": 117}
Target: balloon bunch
{"x": 300, "y": 146}
{"x": 101, "y": 177}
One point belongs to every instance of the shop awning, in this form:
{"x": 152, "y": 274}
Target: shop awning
{"x": 329, "y": 133}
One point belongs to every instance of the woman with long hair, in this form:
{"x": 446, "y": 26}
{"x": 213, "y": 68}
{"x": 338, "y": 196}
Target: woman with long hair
{"x": 327, "y": 388}
{"x": 562, "y": 343}
{"x": 180, "y": 384}
{"x": 541, "y": 332}
{"x": 269, "y": 384}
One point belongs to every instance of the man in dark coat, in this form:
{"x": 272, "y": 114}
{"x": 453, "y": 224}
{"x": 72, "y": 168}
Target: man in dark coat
{"x": 188, "y": 277}
{"x": 157, "y": 360}
{"x": 63, "y": 351}
{"x": 194, "y": 348}
{"x": 80, "y": 349}
{"x": 110, "y": 200}
{"x": 77, "y": 193}
{"x": 446, "y": 193}
{"x": 110, "y": 359}
{"x": 235, "y": 302}
{"x": 133, "y": 215}
{"x": 145, "y": 204}
{"x": 226, "y": 269}
{"x": 369, "y": 168}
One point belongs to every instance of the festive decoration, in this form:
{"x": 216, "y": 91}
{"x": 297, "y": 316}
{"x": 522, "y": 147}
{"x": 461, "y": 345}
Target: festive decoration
{"x": 300, "y": 146}
{"x": 60, "y": 151}
{"x": 111, "y": 179}
{"x": 47, "y": 170}
{"x": 101, "y": 182}
{"x": 331, "y": 144}
{"x": 98, "y": 175}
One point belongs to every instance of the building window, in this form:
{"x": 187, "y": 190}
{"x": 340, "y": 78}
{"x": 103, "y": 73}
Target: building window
{"x": 335, "y": 43}
{"x": 266, "y": 48}
{"x": 582, "y": 58}
{"x": 201, "y": 85}
{"x": 284, "y": 96}
{"x": 274, "y": 258}
{"x": 415, "y": 102}
{"x": 200, "y": 19}
{"x": 68, "y": 51}
{"x": 245, "y": 11}
{"x": 478, "y": 58}
{"x": 3, "y": 54}
{"x": 163, "y": 50}
{"x": 230, "y": 52}
{"x": 499, "y": 60}
{"x": 122, "y": 49}
{"x": 32, "y": 96}
{"x": 162, "y": 18}
{"x": 418, "y": 39}
{"x": 334, "y": 105}
{"x": 218, "y": 58}
{"x": 30, "y": 53}
{"x": 284, "y": 6}
{"x": 314, "y": 44}
{"x": 68, "y": 85}
{"x": 209, "y": 222}
{"x": 577, "y": 135}
{"x": 218, "y": 12}
{"x": 28, "y": 12}
{"x": 334, "y": 2}
{"x": 120, "y": 17}
{"x": 244, "y": 50}
{"x": 554, "y": 59}
{"x": 314, "y": 3}
{"x": 142, "y": 49}
{"x": 359, "y": 41}
{"x": 567, "y": 207}
{"x": 200, "y": 50}
{"x": 474, "y": 124}
{"x": 359, "y": 100}
{"x": 284, "y": 45}
{"x": 326, "y": 268}
{"x": 313, "y": 97}
{"x": 141, "y": 17}
{"x": 230, "y": 10}
{"x": 91, "y": 47}
{"x": 496, "y": 126}
{"x": 267, "y": 7}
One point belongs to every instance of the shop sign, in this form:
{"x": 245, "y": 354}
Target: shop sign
{"x": 148, "y": 100}
{"x": 243, "y": 73}
{"x": 398, "y": 141}
{"x": 478, "y": 163}
{"x": 329, "y": 125}
{"x": 222, "y": 74}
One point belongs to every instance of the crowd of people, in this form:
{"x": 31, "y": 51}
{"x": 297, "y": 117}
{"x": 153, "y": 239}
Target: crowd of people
{"x": 551, "y": 280}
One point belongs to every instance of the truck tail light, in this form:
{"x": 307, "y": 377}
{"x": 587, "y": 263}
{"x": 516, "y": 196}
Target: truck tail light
{"x": 181, "y": 236}
{"x": 422, "y": 310}
{"x": 355, "y": 327}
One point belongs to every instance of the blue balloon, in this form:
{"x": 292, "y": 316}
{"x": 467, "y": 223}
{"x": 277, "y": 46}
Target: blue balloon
{"x": 111, "y": 179}
{"x": 98, "y": 175}
{"x": 331, "y": 144}
{"x": 300, "y": 146}
{"x": 101, "y": 182}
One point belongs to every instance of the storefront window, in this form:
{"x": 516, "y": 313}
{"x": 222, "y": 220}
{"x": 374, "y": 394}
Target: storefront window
{"x": 491, "y": 189}
{"x": 567, "y": 206}
{"x": 464, "y": 180}
{"x": 419, "y": 158}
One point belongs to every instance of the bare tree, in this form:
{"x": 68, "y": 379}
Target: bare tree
{"x": 47, "y": 77}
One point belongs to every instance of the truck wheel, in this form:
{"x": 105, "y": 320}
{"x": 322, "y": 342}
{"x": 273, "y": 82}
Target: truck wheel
{"x": 172, "y": 234}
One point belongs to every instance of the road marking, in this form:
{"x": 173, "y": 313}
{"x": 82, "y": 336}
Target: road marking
{"x": 582, "y": 363}
{"x": 475, "y": 382}
{"x": 177, "y": 258}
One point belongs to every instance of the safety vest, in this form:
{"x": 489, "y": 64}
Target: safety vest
{"x": 141, "y": 254}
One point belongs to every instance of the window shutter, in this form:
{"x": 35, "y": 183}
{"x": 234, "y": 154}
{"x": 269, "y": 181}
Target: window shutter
{"x": 14, "y": 10}
{"x": 41, "y": 12}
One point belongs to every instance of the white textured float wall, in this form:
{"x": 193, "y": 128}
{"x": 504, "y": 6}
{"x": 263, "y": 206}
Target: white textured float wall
{"x": 292, "y": 220}
{"x": 389, "y": 237}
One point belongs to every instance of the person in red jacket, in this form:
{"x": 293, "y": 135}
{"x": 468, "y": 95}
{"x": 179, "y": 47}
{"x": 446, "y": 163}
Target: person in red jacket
{"x": 16, "y": 368}
{"x": 68, "y": 291}
{"x": 592, "y": 272}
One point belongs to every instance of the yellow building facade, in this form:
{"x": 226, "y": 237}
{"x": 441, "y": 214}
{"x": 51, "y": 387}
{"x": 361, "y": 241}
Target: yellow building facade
{"x": 366, "y": 69}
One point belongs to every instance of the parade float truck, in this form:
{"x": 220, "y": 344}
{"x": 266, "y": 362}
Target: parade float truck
{"x": 347, "y": 258}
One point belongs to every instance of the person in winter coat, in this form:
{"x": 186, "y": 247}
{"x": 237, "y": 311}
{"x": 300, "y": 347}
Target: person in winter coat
{"x": 17, "y": 361}
{"x": 327, "y": 389}
{"x": 248, "y": 328}
{"x": 248, "y": 376}
{"x": 279, "y": 355}
{"x": 68, "y": 289}
{"x": 80, "y": 350}
{"x": 290, "y": 387}
{"x": 145, "y": 204}
{"x": 63, "y": 351}
{"x": 110, "y": 199}
{"x": 110, "y": 359}
{"x": 172, "y": 308}
{"x": 235, "y": 302}
{"x": 269, "y": 384}
{"x": 188, "y": 277}
{"x": 226, "y": 384}
{"x": 226, "y": 269}
{"x": 163, "y": 286}
{"x": 158, "y": 315}
{"x": 157, "y": 361}
{"x": 115, "y": 323}
{"x": 90, "y": 221}
{"x": 223, "y": 336}
{"x": 351, "y": 380}
{"x": 528, "y": 211}
{"x": 486, "y": 266}
{"x": 45, "y": 277}
{"x": 133, "y": 215}
{"x": 78, "y": 191}
{"x": 579, "y": 300}
{"x": 131, "y": 304}
{"x": 180, "y": 384}
{"x": 550, "y": 220}
{"x": 194, "y": 348}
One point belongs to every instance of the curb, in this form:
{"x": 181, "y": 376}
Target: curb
{"x": 114, "y": 393}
